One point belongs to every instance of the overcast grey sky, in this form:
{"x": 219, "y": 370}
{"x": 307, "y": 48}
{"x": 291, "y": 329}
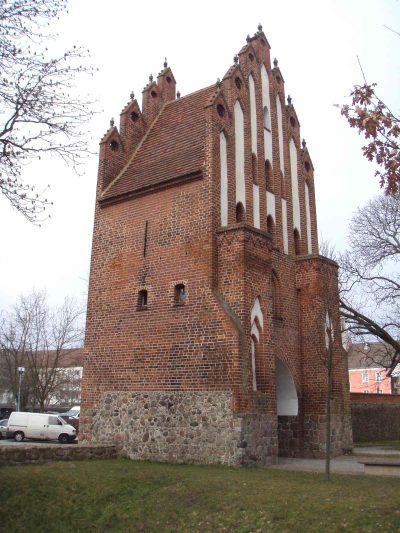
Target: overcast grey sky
{"x": 316, "y": 42}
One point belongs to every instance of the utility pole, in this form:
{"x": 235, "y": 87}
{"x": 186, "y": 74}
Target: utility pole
{"x": 21, "y": 372}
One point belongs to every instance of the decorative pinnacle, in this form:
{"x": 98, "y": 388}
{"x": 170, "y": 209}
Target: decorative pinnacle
{"x": 165, "y": 63}
{"x": 259, "y": 27}
{"x": 275, "y": 62}
{"x": 178, "y": 94}
{"x": 248, "y": 38}
{"x": 289, "y": 100}
{"x": 132, "y": 95}
{"x": 151, "y": 78}
{"x": 236, "y": 59}
{"x": 303, "y": 144}
{"x": 218, "y": 84}
{"x": 112, "y": 123}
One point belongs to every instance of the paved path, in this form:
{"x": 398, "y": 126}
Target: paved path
{"x": 377, "y": 451}
{"x": 33, "y": 443}
{"x": 344, "y": 464}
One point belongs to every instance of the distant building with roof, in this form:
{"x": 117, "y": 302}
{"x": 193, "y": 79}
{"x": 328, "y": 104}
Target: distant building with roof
{"x": 368, "y": 371}
{"x": 67, "y": 389}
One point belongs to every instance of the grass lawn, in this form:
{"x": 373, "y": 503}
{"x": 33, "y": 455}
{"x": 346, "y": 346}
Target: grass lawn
{"x": 122, "y": 495}
{"x": 385, "y": 444}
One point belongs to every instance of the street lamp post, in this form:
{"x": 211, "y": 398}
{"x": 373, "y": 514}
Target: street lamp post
{"x": 21, "y": 372}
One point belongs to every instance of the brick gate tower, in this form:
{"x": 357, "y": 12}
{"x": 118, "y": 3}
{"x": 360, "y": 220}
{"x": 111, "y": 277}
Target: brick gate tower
{"x": 208, "y": 301}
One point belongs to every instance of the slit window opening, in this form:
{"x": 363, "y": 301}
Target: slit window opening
{"x": 180, "y": 294}
{"x": 142, "y": 300}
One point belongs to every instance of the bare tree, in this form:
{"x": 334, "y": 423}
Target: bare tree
{"x": 370, "y": 279}
{"x": 38, "y": 338}
{"x": 327, "y": 249}
{"x": 67, "y": 389}
{"x": 40, "y": 112}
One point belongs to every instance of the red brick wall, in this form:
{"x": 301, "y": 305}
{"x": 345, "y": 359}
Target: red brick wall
{"x": 204, "y": 345}
{"x": 375, "y": 417}
{"x": 374, "y": 399}
{"x": 165, "y": 347}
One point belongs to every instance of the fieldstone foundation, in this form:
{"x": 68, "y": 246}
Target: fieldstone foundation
{"x": 289, "y": 436}
{"x": 181, "y": 427}
{"x": 28, "y": 452}
{"x": 315, "y": 435}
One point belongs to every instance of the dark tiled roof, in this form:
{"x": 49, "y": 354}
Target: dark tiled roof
{"x": 174, "y": 147}
{"x": 68, "y": 357}
{"x": 72, "y": 357}
{"x": 368, "y": 355}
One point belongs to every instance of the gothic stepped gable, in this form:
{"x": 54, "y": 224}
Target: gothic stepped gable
{"x": 209, "y": 306}
{"x": 174, "y": 147}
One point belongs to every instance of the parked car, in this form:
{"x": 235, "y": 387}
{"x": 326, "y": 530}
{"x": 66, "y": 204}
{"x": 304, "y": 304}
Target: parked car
{"x": 40, "y": 426}
{"x": 5, "y": 433}
{"x": 74, "y": 412}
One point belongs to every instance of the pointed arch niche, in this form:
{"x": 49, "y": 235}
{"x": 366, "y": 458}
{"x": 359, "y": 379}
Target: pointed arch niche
{"x": 285, "y": 227}
{"x": 224, "y": 178}
{"x": 286, "y": 394}
{"x": 297, "y": 242}
{"x": 257, "y": 325}
{"x": 253, "y": 115}
{"x": 240, "y": 213}
{"x": 256, "y": 192}
{"x": 239, "y": 154}
{"x": 266, "y": 114}
{"x": 308, "y": 217}
{"x": 295, "y": 185}
{"x": 271, "y": 217}
{"x": 280, "y": 133}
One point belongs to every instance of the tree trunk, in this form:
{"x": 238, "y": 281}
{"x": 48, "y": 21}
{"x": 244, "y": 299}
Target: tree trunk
{"x": 328, "y": 410}
{"x": 328, "y": 432}
{"x": 41, "y": 406}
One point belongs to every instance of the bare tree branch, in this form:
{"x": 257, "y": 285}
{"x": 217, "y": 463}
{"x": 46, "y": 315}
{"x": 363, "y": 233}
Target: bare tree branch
{"x": 39, "y": 338}
{"x": 369, "y": 276}
{"x": 40, "y": 112}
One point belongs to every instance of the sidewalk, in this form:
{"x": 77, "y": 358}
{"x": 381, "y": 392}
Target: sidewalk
{"x": 344, "y": 464}
{"x": 377, "y": 451}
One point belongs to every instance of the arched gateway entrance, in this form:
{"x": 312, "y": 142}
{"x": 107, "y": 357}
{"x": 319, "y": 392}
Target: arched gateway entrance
{"x": 287, "y": 411}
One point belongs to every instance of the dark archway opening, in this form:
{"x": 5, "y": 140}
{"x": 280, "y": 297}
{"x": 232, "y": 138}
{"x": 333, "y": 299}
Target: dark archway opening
{"x": 297, "y": 242}
{"x": 240, "y": 212}
{"x": 271, "y": 226}
{"x": 287, "y": 411}
{"x": 268, "y": 175}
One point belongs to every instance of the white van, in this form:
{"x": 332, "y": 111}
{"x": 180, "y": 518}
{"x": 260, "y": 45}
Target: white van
{"x": 40, "y": 426}
{"x": 74, "y": 412}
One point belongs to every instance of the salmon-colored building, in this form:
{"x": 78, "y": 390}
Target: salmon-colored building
{"x": 367, "y": 372}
